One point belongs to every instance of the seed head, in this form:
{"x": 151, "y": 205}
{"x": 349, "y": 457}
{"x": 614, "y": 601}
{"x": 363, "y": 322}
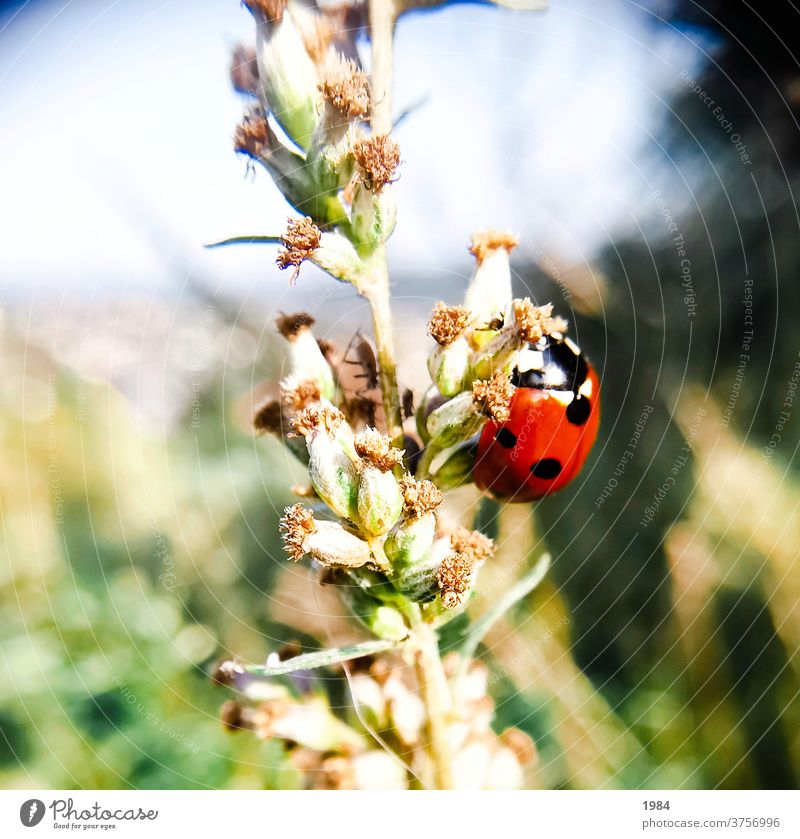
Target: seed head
{"x": 300, "y": 394}
{"x": 232, "y": 716}
{"x": 533, "y": 322}
{"x": 419, "y": 497}
{"x": 378, "y": 158}
{"x": 316, "y": 418}
{"x": 271, "y": 9}
{"x": 493, "y": 396}
{"x": 251, "y": 135}
{"x": 297, "y": 524}
{"x": 486, "y": 242}
{"x": 472, "y": 543}
{"x": 269, "y": 418}
{"x": 447, "y": 323}
{"x": 244, "y": 69}
{"x": 377, "y": 449}
{"x": 346, "y": 89}
{"x": 300, "y": 241}
{"x": 454, "y": 578}
{"x": 292, "y": 325}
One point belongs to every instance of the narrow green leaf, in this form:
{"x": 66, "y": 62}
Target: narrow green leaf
{"x": 247, "y": 240}
{"x": 522, "y": 588}
{"x": 321, "y": 658}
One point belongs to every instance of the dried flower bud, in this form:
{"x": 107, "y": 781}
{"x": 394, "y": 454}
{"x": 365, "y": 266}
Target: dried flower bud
{"x": 244, "y": 70}
{"x": 232, "y": 716}
{"x": 419, "y": 497}
{"x": 306, "y": 361}
{"x": 252, "y": 135}
{"x": 345, "y": 90}
{"x": 529, "y": 323}
{"x": 449, "y": 366}
{"x": 489, "y": 293}
{"x": 272, "y": 10}
{"x": 377, "y": 158}
{"x": 533, "y": 322}
{"x": 447, "y": 323}
{"x": 455, "y": 421}
{"x": 287, "y": 73}
{"x": 333, "y": 471}
{"x": 380, "y": 502}
{"x": 326, "y": 541}
{"x": 317, "y": 420}
{"x": 377, "y": 449}
{"x": 472, "y": 543}
{"x": 300, "y": 241}
{"x": 493, "y": 397}
{"x": 455, "y": 578}
{"x": 300, "y": 394}
{"x": 487, "y": 242}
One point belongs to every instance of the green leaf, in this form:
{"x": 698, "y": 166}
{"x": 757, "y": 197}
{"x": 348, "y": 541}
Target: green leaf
{"x": 522, "y": 588}
{"x": 321, "y": 658}
{"x": 247, "y": 240}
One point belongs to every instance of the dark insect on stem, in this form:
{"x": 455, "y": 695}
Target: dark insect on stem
{"x": 359, "y": 379}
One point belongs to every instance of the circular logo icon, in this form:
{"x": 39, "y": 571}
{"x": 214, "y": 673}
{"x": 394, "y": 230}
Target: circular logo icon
{"x": 31, "y": 812}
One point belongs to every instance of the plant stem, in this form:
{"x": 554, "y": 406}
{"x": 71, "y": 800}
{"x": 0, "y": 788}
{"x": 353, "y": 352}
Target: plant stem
{"x": 376, "y": 293}
{"x": 436, "y": 695}
{"x": 381, "y": 18}
{"x": 427, "y": 661}
{"x": 382, "y": 15}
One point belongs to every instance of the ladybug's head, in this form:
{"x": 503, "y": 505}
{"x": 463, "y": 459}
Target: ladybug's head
{"x": 554, "y": 363}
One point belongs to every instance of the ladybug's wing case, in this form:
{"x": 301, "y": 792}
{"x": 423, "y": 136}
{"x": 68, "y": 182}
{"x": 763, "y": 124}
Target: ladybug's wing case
{"x": 543, "y": 444}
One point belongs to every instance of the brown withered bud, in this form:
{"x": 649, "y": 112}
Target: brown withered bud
{"x": 419, "y": 497}
{"x": 244, "y": 70}
{"x": 300, "y": 394}
{"x": 225, "y": 672}
{"x": 533, "y": 322}
{"x": 447, "y": 323}
{"x": 346, "y": 89}
{"x": 455, "y": 578}
{"x": 493, "y": 396}
{"x": 300, "y": 241}
{"x": 377, "y": 449}
{"x": 314, "y": 418}
{"x": 268, "y": 418}
{"x": 291, "y": 325}
{"x": 487, "y": 241}
{"x": 472, "y": 543}
{"x": 297, "y": 523}
{"x": 252, "y": 135}
{"x": 272, "y": 10}
{"x": 377, "y": 158}
{"x": 232, "y": 717}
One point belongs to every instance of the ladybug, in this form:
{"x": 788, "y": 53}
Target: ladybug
{"x": 553, "y": 422}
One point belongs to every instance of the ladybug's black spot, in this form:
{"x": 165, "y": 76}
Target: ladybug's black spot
{"x": 578, "y": 410}
{"x": 547, "y": 469}
{"x": 506, "y": 438}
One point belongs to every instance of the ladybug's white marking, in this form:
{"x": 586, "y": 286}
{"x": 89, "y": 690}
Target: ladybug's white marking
{"x": 586, "y": 388}
{"x": 529, "y": 360}
{"x": 573, "y": 346}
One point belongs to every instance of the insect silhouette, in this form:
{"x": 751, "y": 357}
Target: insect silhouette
{"x": 358, "y": 374}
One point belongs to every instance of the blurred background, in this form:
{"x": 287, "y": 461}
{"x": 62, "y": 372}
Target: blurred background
{"x": 647, "y": 155}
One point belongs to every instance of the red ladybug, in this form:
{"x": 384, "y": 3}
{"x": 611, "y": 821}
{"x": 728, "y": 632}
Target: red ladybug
{"x": 555, "y": 414}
